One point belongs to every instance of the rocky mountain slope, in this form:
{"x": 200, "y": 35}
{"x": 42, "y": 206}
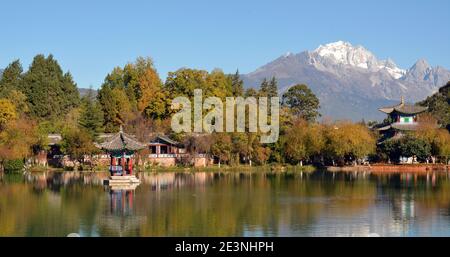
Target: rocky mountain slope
{"x": 350, "y": 81}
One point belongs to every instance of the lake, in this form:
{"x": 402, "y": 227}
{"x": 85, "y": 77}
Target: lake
{"x": 227, "y": 204}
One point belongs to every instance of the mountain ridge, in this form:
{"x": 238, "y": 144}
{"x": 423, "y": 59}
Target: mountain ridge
{"x": 350, "y": 81}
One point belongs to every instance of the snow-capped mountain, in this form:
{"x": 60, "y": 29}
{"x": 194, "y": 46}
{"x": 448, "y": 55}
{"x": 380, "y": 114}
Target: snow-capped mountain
{"x": 343, "y": 53}
{"x": 350, "y": 81}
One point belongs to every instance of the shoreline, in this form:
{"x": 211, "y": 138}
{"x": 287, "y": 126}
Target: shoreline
{"x": 382, "y": 168}
{"x": 393, "y": 168}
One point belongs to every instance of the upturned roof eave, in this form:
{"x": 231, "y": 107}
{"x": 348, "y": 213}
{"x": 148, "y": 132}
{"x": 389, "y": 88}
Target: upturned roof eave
{"x": 121, "y": 142}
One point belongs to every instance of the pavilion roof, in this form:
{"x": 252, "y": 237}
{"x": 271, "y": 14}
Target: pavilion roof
{"x": 408, "y": 127}
{"x": 390, "y": 109}
{"x": 410, "y": 109}
{"x": 121, "y": 141}
{"x": 384, "y": 128}
{"x": 403, "y": 108}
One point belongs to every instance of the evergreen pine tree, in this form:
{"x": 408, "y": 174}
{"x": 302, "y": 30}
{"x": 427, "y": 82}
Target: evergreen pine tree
{"x": 11, "y": 78}
{"x": 50, "y": 93}
{"x": 237, "y": 85}
{"x": 91, "y": 117}
{"x": 264, "y": 89}
{"x": 272, "y": 88}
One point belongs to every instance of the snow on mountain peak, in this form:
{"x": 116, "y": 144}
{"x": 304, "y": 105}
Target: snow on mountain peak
{"x": 342, "y": 52}
{"x": 288, "y": 54}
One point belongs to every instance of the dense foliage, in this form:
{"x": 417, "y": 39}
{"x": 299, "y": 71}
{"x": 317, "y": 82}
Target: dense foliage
{"x": 44, "y": 99}
{"x": 439, "y": 105}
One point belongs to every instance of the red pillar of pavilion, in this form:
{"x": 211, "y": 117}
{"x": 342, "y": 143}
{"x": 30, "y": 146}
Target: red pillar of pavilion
{"x": 130, "y": 166}
{"x": 123, "y": 165}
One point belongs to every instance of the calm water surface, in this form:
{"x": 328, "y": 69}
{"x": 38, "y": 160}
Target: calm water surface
{"x": 227, "y": 204}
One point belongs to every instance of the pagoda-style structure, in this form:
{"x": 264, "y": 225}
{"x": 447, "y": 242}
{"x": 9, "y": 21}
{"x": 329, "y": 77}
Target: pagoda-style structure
{"x": 401, "y": 117}
{"x": 121, "y": 148}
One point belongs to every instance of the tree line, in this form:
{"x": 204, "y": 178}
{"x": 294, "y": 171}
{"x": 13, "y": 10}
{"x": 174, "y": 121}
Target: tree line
{"x": 44, "y": 100}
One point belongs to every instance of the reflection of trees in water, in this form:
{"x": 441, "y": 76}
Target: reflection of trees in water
{"x": 168, "y": 181}
{"x": 244, "y": 203}
{"x": 25, "y": 213}
{"x": 55, "y": 181}
{"x": 414, "y": 198}
{"x": 222, "y": 204}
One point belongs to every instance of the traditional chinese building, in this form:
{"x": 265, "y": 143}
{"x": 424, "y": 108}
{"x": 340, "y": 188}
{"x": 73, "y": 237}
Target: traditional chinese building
{"x": 119, "y": 152}
{"x": 121, "y": 148}
{"x": 401, "y": 118}
{"x": 162, "y": 145}
{"x": 167, "y": 152}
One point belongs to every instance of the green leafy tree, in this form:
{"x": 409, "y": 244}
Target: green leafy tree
{"x": 410, "y": 146}
{"x": 11, "y": 78}
{"x": 407, "y": 146}
{"x": 50, "y": 93}
{"x": 221, "y": 147}
{"x": 143, "y": 90}
{"x": 77, "y": 143}
{"x": 251, "y": 92}
{"x": 218, "y": 84}
{"x": 269, "y": 88}
{"x": 273, "y": 88}
{"x": 237, "y": 85}
{"x": 7, "y": 112}
{"x": 116, "y": 107}
{"x": 302, "y": 102}
{"x": 91, "y": 117}
{"x": 439, "y": 105}
{"x": 183, "y": 82}
{"x": 348, "y": 142}
{"x": 19, "y": 100}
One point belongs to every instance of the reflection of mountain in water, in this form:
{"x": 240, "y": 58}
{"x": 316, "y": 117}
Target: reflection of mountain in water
{"x": 228, "y": 204}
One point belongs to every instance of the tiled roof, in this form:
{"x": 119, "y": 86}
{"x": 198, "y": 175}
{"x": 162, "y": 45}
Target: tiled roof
{"x": 410, "y": 127}
{"x": 410, "y": 109}
{"x": 165, "y": 139}
{"x": 390, "y": 109}
{"x": 121, "y": 141}
{"x": 384, "y": 128}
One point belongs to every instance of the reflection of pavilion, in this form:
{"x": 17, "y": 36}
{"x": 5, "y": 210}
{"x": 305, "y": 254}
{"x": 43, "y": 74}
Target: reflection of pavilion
{"x": 121, "y": 219}
{"x": 121, "y": 199}
{"x": 403, "y": 207}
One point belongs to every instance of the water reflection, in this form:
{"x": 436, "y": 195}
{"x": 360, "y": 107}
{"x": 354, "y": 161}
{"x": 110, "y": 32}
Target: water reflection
{"x": 227, "y": 204}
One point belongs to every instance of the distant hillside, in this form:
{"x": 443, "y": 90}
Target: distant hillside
{"x": 1, "y": 72}
{"x": 85, "y": 91}
{"x": 439, "y": 105}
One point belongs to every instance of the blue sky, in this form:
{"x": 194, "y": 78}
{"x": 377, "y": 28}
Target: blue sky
{"x": 89, "y": 38}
